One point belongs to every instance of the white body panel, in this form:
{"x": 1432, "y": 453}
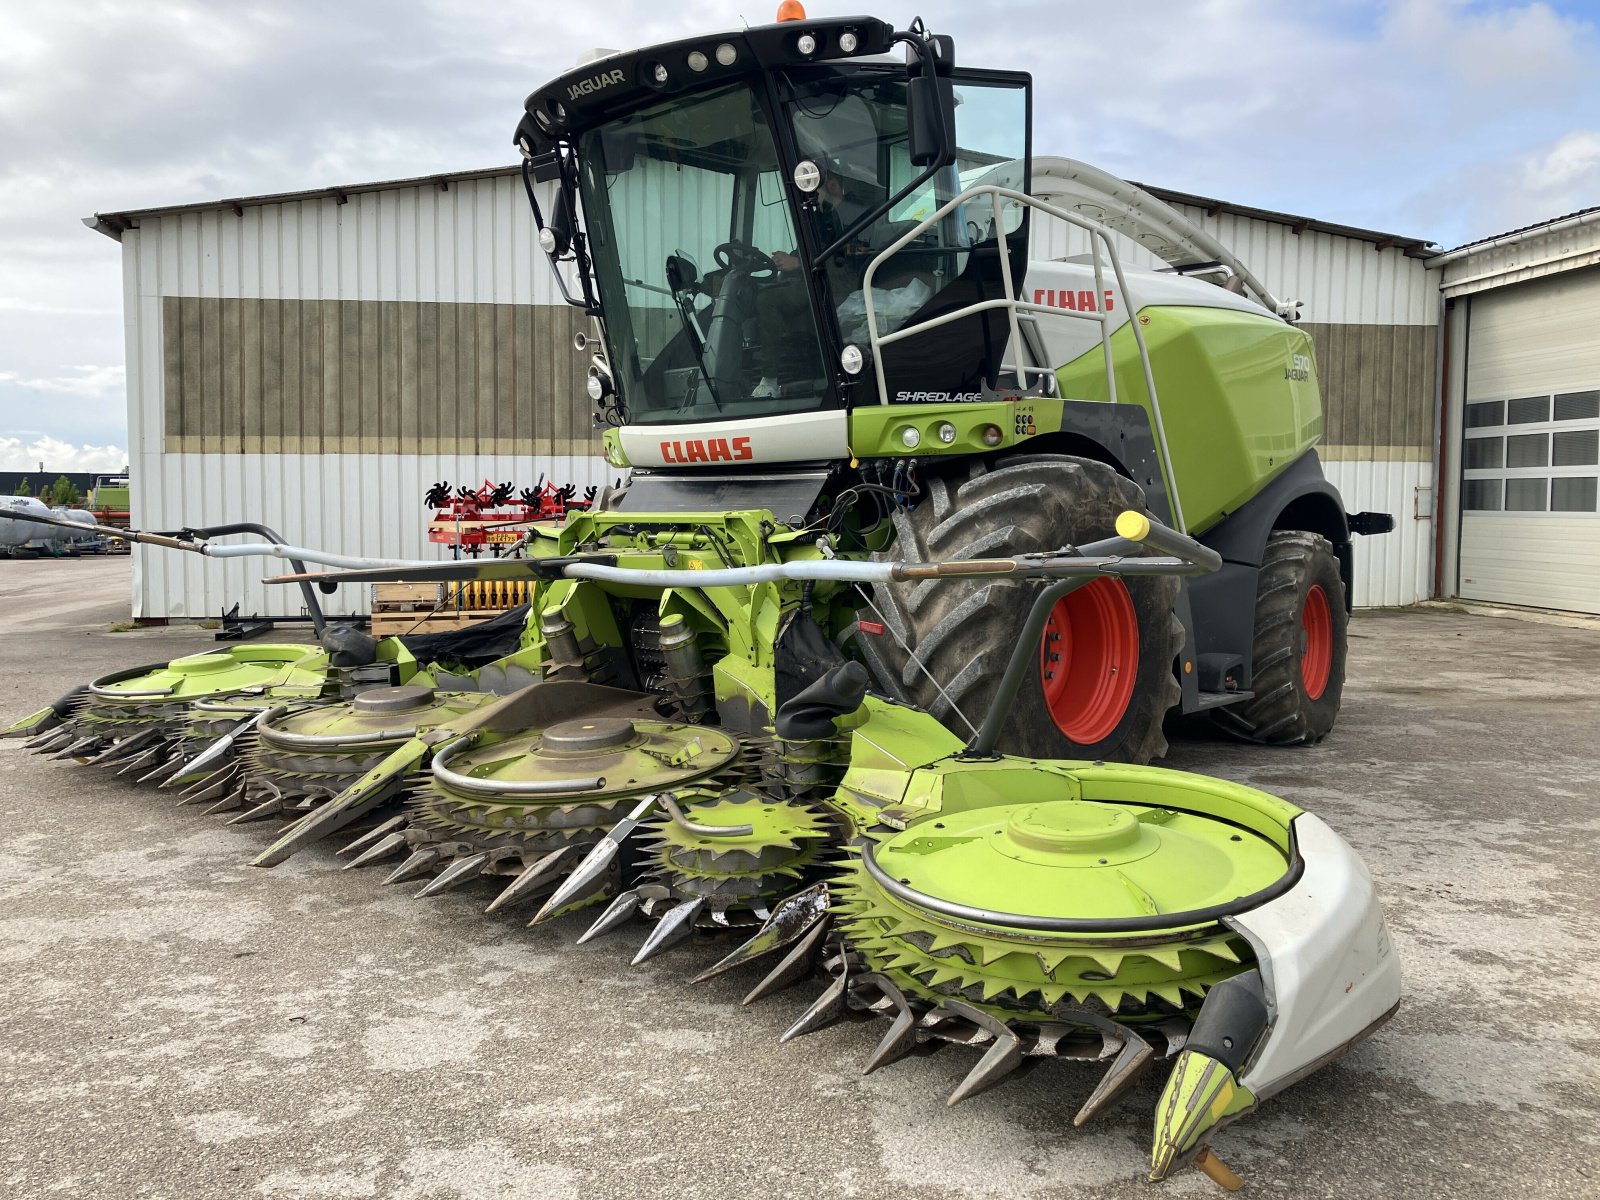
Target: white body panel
{"x": 1070, "y": 286}
{"x": 797, "y": 437}
{"x": 1325, "y": 956}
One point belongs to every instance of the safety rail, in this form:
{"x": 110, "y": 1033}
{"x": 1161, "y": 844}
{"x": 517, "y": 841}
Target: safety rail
{"x": 1014, "y": 306}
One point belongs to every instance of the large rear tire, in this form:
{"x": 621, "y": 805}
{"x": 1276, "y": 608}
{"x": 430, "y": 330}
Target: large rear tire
{"x": 1300, "y": 645}
{"x": 1102, "y": 679}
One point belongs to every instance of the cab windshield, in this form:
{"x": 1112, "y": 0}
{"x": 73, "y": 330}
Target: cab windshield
{"x": 707, "y": 313}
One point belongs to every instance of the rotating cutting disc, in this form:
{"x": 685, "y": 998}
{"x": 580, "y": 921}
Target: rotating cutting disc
{"x": 132, "y": 719}
{"x": 510, "y": 804}
{"x": 970, "y": 906}
{"x": 736, "y": 869}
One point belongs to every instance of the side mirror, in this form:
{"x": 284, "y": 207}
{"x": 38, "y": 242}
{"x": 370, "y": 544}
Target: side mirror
{"x": 561, "y": 224}
{"x": 930, "y": 120}
{"x": 930, "y": 98}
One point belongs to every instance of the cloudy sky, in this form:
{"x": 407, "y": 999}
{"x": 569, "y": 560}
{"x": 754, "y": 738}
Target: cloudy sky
{"x": 1440, "y": 119}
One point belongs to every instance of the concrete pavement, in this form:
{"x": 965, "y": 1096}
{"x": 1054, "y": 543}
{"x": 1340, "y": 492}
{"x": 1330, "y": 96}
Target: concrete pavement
{"x": 176, "y": 1024}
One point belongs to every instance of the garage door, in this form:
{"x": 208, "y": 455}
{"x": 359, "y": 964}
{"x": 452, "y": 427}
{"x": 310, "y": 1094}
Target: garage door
{"x": 1530, "y": 485}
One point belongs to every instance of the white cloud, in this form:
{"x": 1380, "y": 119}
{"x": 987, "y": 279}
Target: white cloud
{"x": 1570, "y": 168}
{"x": 1497, "y": 194}
{"x": 18, "y": 304}
{"x": 59, "y": 457}
{"x": 76, "y": 381}
{"x": 1441, "y": 119}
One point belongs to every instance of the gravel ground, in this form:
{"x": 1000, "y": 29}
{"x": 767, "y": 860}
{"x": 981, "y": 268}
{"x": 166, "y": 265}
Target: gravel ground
{"x": 178, "y": 1024}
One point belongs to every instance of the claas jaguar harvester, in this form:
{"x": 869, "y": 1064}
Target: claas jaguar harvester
{"x": 863, "y": 665}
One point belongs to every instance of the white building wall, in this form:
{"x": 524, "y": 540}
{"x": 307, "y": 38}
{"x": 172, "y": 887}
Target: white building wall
{"x": 472, "y": 243}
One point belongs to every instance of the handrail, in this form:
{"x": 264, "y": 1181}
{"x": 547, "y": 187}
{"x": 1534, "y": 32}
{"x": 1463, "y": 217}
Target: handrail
{"x": 1013, "y": 305}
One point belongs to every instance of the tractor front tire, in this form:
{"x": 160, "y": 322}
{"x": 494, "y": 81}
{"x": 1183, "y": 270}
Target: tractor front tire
{"x": 1300, "y": 645}
{"x": 1100, "y": 682}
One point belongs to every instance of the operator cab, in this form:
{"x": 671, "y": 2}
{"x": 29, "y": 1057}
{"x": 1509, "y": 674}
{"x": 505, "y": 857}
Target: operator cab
{"x": 733, "y": 191}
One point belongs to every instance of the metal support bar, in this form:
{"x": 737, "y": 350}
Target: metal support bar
{"x": 1099, "y": 237}
{"x": 987, "y": 738}
{"x": 307, "y": 592}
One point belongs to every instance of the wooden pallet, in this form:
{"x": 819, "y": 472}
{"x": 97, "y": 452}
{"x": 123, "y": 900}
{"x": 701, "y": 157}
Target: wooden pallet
{"x": 409, "y": 597}
{"x": 388, "y": 624}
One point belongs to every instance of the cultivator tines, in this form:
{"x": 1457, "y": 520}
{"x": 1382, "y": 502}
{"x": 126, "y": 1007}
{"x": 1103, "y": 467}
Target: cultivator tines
{"x": 529, "y": 805}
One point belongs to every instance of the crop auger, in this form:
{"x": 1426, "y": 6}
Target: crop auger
{"x": 1022, "y": 908}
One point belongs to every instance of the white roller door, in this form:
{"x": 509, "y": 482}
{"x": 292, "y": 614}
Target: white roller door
{"x": 1530, "y": 480}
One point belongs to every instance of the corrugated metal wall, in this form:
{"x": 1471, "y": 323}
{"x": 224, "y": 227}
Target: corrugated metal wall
{"x": 213, "y": 440}
{"x": 1372, "y": 316}
{"x": 372, "y": 377}
{"x": 218, "y": 301}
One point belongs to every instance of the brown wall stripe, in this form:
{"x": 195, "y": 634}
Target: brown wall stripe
{"x": 372, "y": 377}
{"x": 1377, "y": 383}
{"x": 397, "y": 377}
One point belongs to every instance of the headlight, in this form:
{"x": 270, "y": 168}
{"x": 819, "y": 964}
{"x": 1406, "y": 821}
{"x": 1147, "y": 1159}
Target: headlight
{"x": 848, "y": 42}
{"x": 698, "y": 61}
{"x": 547, "y": 240}
{"x": 727, "y": 55}
{"x": 910, "y": 438}
{"x": 596, "y": 389}
{"x": 850, "y": 358}
{"x": 947, "y": 432}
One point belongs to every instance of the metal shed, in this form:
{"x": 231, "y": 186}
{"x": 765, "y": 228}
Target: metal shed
{"x": 315, "y": 360}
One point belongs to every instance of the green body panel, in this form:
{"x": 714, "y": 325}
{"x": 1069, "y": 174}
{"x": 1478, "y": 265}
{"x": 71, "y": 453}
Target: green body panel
{"x": 877, "y": 430}
{"x": 1065, "y": 857}
{"x": 219, "y": 671}
{"x": 1200, "y": 1095}
{"x": 904, "y": 759}
{"x": 1238, "y": 394}
{"x": 114, "y": 499}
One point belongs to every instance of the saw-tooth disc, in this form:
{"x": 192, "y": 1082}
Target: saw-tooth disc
{"x": 782, "y": 847}
{"x": 535, "y": 791}
{"x": 162, "y": 698}
{"x": 1053, "y": 861}
{"x": 315, "y": 752}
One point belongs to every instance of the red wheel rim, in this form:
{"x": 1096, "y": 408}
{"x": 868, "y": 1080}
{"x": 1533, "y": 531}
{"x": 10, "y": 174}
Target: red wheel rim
{"x": 1316, "y": 661}
{"x": 1089, "y": 660}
